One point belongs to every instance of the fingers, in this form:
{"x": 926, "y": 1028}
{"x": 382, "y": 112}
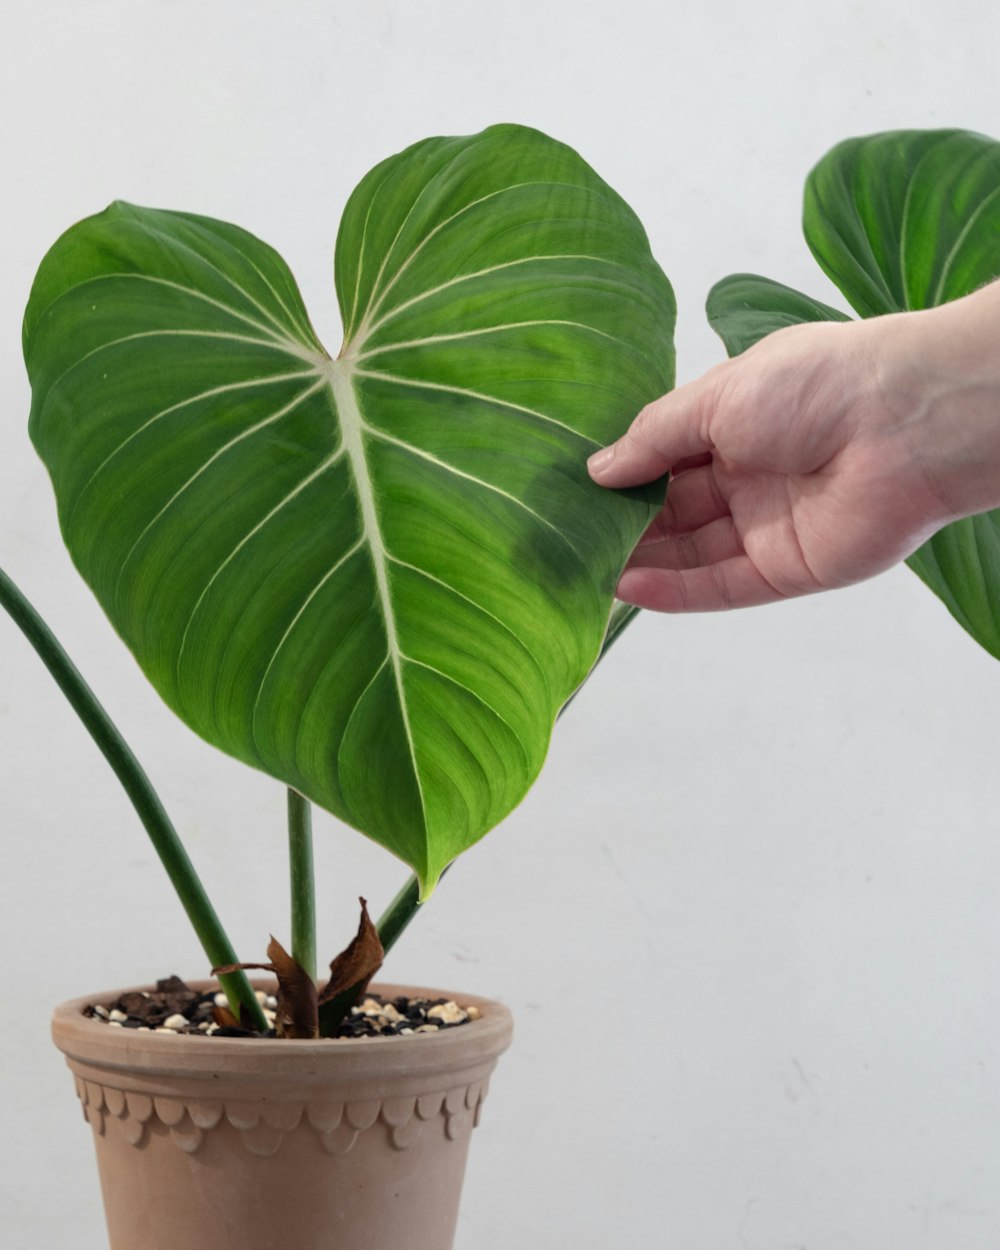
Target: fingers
{"x": 711, "y": 544}
{"x": 732, "y": 583}
{"x": 693, "y": 500}
{"x": 665, "y": 432}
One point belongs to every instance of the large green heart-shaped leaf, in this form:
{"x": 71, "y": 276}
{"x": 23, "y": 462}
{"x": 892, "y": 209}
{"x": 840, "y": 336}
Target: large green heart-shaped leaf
{"x": 376, "y": 577}
{"x": 899, "y": 221}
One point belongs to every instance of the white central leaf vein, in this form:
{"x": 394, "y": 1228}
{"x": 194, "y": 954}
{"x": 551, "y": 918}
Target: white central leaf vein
{"x": 233, "y": 442}
{"x": 481, "y": 396}
{"x": 352, "y": 425}
{"x": 326, "y": 464}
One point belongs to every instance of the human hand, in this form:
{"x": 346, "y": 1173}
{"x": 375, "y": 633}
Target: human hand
{"x": 818, "y": 458}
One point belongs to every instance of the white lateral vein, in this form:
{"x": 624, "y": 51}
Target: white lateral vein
{"x": 479, "y": 273}
{"x": 230, "y": 281}
{"x": 339, "y": 564}
{"x": 279, "y": 335}
{"x": 378, "y": 297}
{"x": 960, "y": 241}
{"x": 453, "y": 590}
{"x": 327, "y": 463}
{"x": 354, "y": 711}
{"x": 471, "y": 477}
{"x": 481, "y": 396}
{"x": 469, "y": 334}
{"x": 292, "y": 349}
{"x": 214, "y": 391}
{"x": 233, "y": 442}
{"x": 409, "y": 659}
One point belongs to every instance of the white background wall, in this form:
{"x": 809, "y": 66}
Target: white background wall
{"x": 748, "y": 919}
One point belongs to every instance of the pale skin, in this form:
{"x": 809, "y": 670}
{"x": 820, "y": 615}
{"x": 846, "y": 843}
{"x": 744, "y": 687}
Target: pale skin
{"x": 822, "y": 456}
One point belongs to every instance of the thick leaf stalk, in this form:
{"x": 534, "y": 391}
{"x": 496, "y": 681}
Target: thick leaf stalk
{"x": 139, "y": 789}
{"x": 303, "y": 882}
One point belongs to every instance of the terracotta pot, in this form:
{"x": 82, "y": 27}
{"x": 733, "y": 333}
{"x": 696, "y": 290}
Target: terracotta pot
{"x": 216, "y": 1143}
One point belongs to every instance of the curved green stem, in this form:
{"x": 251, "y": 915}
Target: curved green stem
{"x": 139, "y": 789}
{"x": 399, "y": 913}
{"x": 303, "y": 881}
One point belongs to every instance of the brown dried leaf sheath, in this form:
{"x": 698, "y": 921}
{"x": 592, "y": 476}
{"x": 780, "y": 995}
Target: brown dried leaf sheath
{"x": 355, "y": 966}
{"x": 297, "y": 1012}
{"x": 350, "y": 973}
{"x": 301, "y": 1011}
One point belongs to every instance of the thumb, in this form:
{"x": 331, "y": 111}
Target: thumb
{"x": 664, "y": 433}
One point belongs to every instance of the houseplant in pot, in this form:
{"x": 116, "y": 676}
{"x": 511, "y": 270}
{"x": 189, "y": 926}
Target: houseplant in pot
{"x": 376, "y": 577}
{"x": 900, "y": 220}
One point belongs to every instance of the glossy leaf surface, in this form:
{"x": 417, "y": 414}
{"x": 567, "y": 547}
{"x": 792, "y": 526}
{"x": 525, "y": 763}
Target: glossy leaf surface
{"x": 376, "y": 577}
{"x": 899, "y": 221}
{"x": 745, "y": 308}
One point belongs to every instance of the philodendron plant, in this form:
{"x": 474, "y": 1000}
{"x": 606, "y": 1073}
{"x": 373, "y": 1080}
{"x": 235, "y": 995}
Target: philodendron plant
{"x": 377, "y": 575}
{"x": 902, "y": 220}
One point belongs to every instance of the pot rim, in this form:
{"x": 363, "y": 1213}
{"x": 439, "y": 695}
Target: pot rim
{"x": 97, "y": 1045}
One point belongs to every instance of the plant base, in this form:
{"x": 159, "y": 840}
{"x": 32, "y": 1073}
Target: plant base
{"x": 211, "y": 1143}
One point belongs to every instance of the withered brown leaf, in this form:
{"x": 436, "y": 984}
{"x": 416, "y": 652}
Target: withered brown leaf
{"x": 297, "y": 1010}
{"x": 350, "y": 973}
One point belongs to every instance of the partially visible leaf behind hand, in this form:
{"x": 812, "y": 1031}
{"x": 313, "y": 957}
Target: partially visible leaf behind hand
{"x": 376, "y": 577}
{"x": 902, "y": 220}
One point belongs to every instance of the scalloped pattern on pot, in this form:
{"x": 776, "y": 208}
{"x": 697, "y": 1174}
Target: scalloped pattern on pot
{"x": 263, "y": 1126}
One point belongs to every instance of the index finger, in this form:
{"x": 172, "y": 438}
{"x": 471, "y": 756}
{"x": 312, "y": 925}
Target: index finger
{"x": 670, "y": 430}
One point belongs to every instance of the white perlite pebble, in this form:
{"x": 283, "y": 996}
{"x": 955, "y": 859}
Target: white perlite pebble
{"x": 270, "y": 1002}
{"x": 116, "y": 1016}
{"x": 473, "y": 1012}
{"x": 101, "y": 1011}
{"x": 221, "y": 1000}
{"x": 372, "y": 1009}
{"x": 176, "y": 1021}
{"x": 449, "y": 1013}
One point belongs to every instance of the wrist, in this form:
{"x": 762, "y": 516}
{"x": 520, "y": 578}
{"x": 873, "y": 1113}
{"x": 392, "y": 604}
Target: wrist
{"x": 939, "y": 373}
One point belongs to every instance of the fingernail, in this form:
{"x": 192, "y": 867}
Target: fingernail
{"x": 600, "y": 460}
